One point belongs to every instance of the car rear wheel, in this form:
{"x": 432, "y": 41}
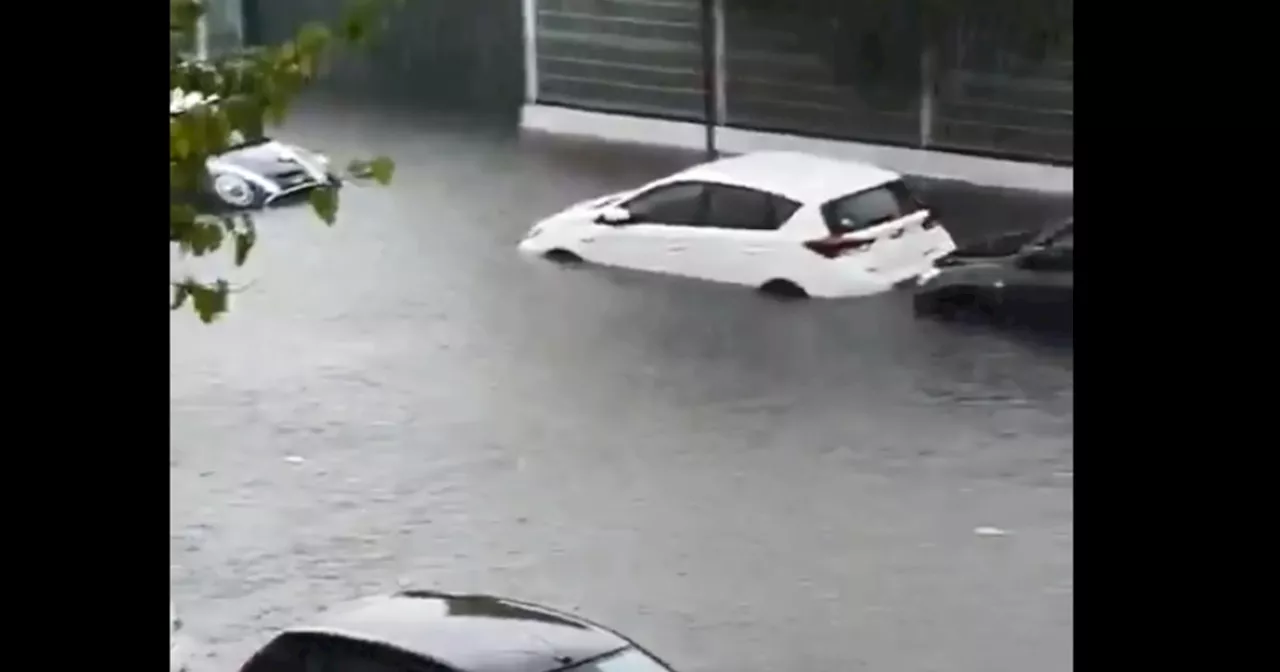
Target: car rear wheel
{"x": 783, "y": 289}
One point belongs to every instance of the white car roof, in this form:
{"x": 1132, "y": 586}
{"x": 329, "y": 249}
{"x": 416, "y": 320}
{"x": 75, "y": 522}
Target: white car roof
{"x": 802, "y": 177}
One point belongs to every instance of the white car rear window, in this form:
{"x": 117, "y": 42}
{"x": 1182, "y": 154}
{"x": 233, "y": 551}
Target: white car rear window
{"x": 871, "y": 207}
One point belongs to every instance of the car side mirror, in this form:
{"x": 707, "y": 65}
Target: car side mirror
{"x": 614, "y": 216}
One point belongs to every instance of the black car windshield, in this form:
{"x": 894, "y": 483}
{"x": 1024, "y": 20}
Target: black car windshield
{"x": 626, "y": 660}
{"x": 1062, "y": 233}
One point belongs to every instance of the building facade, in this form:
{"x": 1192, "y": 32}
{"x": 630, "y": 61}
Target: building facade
{"x": 971, "y": 93}
{"x": 431, "y": 53}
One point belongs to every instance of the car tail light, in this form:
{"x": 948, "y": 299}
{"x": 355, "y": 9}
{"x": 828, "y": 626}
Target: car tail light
{"x": 835, "y": 246}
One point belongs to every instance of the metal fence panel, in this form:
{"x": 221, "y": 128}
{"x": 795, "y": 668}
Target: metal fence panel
{"x": 981, "y": 93}
{"x": 809, "y": 75}
{"x": 783, "y": 75}
{"x": 224, "y": 21}
{"x": 991, "y": 99}
{"x": 433, "y": 53}
{"x": 635, "y": 56}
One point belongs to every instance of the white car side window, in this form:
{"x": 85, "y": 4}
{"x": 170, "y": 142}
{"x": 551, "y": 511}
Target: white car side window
{"x": 746, "y": 209}
{"x": 680, "y": 204}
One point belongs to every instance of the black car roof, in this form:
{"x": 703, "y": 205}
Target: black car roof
{"x": 476, "y": 633}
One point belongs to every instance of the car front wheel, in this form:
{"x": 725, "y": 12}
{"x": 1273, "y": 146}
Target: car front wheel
{"x": 563, "y": 256}
{"x": 236, "y": 192}
{"x": 783, "y": 289}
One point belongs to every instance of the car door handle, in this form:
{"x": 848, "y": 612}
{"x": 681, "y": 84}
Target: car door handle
{"x": 755, "y": 250}
{"x": 676, "y": 248}
{"x": 588, "y": 239}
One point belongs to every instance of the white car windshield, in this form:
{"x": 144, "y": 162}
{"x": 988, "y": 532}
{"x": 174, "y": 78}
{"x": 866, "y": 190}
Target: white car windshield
{"x": 627, "y": 660}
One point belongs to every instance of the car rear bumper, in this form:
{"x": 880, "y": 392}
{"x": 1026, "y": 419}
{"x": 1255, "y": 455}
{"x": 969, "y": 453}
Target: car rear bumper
{"x": 868, "y": 284}
{"x": 861, "y": 277}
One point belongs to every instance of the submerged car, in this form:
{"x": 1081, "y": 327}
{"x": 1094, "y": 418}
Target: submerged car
{"x": 428, "y": 631}
{"x": 1026, "y": 277}
{"x": 255, "y": 174}
{"x": 787, "y": 223}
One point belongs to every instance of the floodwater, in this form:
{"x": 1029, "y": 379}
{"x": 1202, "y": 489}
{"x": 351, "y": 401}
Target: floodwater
{"x": 741, "y": 484}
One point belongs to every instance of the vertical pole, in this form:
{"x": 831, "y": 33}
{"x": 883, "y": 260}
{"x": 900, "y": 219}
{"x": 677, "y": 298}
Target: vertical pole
{"x": 252, "y": 25}
{"x": 202, "y": 38}
{"x": 928, "y": 91}
{"x": 722, "y": 67}
{"x": 709, "y": 79}
{"x": 235, "y": 15}
{"x": 530, "y": 11}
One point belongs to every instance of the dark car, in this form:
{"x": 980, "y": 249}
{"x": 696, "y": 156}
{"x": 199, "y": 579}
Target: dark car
{"x": 256, "y": 173}
{"x": 428, "y": 631}
{"x": 1025, "y": 278}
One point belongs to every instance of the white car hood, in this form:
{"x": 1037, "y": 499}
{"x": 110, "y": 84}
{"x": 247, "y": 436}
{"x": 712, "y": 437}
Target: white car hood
{"x": 597, "y": 202}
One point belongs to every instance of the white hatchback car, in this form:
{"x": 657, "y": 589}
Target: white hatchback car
{"x": 784, "y": 222}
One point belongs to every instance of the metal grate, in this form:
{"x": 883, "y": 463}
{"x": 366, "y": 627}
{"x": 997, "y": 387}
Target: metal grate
{"x": 638, "y": 56}
{"x": 225, "y": 22}
{"x": 783, "y": 77}
{"x": 993, "y": 100}
{"x": 430, "y": 55}
{"x": 805, "y": 75}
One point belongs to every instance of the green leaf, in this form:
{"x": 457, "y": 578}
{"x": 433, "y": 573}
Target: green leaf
{"x": 179, "y": 145}
{"x": 181, "y": 219}
{"x": 210, "y": 301}
{"x": 381, "y": 170}
{"x": 355, "y": 30}
{"x": 183, "y": 14}
{"x": 324, "y": 200}
{"x": 204, "y": 236}
{"x": 245, "y": 240}
{"x": 180, "y": 294}
{"x": 313, "y": 38}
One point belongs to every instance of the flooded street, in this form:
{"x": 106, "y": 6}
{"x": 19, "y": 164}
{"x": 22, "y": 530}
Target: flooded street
{"x": 740, "y": 484}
